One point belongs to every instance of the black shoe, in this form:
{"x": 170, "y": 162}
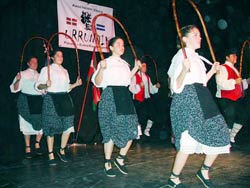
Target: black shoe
{"x": 62, "y": 157}
{"x": 110, "y": 172}
{"x": 28, "y": 155}
{"x": 173, "y": 185}
{"x": 38, "y": 150}
{"x": 122, "y": 168}
{"x": 206, "y": 182}
{"x": 52, "y": 162}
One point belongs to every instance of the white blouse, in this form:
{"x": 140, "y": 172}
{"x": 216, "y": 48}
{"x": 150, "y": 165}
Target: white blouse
{"x": 117, "y": 73}
{"x": 59, "y": 78}
{"x": 27, "y": 82}
{"x": 197, "y": 72}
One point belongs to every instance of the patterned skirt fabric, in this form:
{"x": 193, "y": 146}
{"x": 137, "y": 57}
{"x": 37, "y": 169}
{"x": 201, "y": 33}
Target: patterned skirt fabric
{"x": 118, "y": 128}
{"x": 24, "y": 111}
{"x": 52, "y": 123}
{"x": 187, "y": 114}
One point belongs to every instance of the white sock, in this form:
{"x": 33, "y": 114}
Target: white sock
{"x": 236, "y": 128}
{"x": 148, "y": 127}
{"x": 139, "y": 130}
{"x": 149, "y": 124}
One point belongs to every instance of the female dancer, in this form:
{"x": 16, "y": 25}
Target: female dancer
{"x": 57, "y": 112}
{"x": 117, "y": 116}
{"x": 197, "y": 123}
{"x": 29, "y": 105}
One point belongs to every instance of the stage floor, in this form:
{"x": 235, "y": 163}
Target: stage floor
{"x": 149, "y": 167}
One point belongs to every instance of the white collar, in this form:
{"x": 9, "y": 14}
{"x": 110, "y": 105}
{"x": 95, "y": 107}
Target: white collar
{"x": 32, "y": 70}
{"x": 56, "y": 65}
{"x": 115, "y": 57}
{"x": 118, "y": 59}
{"x": 229, "y": 64}
{"x": 190, "y": 50}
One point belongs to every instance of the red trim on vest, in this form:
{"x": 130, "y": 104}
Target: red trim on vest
{"x": 236, "y": 93}
{"x": 140, "y": 96}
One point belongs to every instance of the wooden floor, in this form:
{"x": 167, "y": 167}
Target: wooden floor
{"x": 149, "y": 166}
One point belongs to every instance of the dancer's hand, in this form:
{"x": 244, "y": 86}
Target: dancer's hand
{"x": 158, "y": 85}
{"x": 103, "y": 64}
{"x": 248, "y": 81}
{"x": 48, "y": 83}
{"x": 138, "y": 64}
{"x": 78, "y": 82}
{"x": 238, "y": 80}
{"x": 141, "y": 84}
{"x": 216, "y": 67}
{"x": 18, "y": 76}
{"x": 186, "y": 65}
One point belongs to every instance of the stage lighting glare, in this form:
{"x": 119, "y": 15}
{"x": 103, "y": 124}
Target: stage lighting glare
{"x": 222, "y": 24}
{"x": 207, "y": 18}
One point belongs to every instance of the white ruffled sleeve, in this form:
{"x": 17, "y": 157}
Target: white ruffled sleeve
{"x": 42, "y": 79}
{"x": 19, "y": 85}
{"x": 174, "y": 71}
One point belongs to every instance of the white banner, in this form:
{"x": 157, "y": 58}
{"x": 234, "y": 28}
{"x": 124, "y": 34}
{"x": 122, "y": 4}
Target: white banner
{"x": 75, "y": 18}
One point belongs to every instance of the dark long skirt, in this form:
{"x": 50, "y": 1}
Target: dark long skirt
{"x": 118, "y": 128}
{"x": 52, "y": 123}
{"x": 29, "y": 110}
{"x": 195, "y": 110}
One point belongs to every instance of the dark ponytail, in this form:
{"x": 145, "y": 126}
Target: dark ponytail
{"x": 184, "y": 31}
{"x": 113, "y": 40}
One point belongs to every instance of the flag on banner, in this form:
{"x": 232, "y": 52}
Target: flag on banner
{"x": 96, "y": 94}
{"x": 75, "y": 19}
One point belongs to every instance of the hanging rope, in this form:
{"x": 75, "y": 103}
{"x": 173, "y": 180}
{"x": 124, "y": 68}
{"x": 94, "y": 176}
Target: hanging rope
{"x": 26, "y": 44}
{"x": 77, "y": 55}
{"x": 203, "y": 26}
{"x": 155, "y": 65}
{"x": 97, "y": 39}
{"x": 242, "y": 54}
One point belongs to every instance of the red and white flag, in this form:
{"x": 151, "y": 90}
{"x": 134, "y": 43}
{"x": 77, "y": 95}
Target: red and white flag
{"x": 92, "y": 66}
{"x": 96, "y": 93}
